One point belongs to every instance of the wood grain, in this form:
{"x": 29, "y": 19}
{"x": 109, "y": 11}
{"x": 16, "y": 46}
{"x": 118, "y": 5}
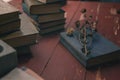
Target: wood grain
{"x": 63, "y": 66}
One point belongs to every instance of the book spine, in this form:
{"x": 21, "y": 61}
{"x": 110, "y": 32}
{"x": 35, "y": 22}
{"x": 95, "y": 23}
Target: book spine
{"x": 25, "y": 9}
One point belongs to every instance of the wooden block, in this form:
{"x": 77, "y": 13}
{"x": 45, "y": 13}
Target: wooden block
{"x": 102, "y": 51}
{"x": 18, "y": 74}
{"x": 8, "y": 58}
{"x": 27, "y": 35}
{"x": 7, "y": 12}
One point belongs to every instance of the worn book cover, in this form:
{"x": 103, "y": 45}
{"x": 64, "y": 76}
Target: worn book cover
{"x": 37, "y": 7}
{"x": 10, "y": 27}
{"x": 45, "y": 18}
{"x": 7, "y": 12}
{"x": 51, "y": 17}
{"x": 27, "y": 34}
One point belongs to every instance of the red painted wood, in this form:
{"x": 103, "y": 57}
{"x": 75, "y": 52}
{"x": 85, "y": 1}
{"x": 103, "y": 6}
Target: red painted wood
{"x": 104, "y": 73}
{"x": 108, "y": 25}
{"x": 63, "y": 66}
{"x": 41, "y": 53}
{"x": 90, "y": 11}
{"x": 106, "y": 22}
{"x": 70, "y": 9}
{"x": 54, "y": 62}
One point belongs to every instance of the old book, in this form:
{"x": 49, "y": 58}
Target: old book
{"x": 50, "y": 17}
{"x": 7, "y": 13}
{"x": 36, "y": 7}
{"x": 53, "y": 29}
{"x": 51, "y": 24}
{"x": 45, "y": 18}
{"x": 10, "y": 27}
{"x": 102, "y": 52}
{"x": 27, "y": 34}
{"x": 48, "y": 24}
{"x": 8, "y": 58}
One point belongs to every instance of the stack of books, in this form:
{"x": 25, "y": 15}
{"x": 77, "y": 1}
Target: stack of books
{"x": 18, "y": 30}
{"x": 47, "y": 15}
{"x": 25, "y": 37}
{"x": 9, "y": 18}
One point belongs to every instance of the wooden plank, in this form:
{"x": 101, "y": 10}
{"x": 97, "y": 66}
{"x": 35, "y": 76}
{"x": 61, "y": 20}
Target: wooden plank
{"x": 82, "y": 5}
{"x": 104, "y": 73}
{"x": 63, "y": 66}
{"x": 109, "y": 23}
{"x": 105, "y": 27}
{"x": 70, "y": 8}
{"x": 41, "y": 53}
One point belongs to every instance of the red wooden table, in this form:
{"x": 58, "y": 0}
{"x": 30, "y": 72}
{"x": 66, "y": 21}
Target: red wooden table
{"x": 53, "y": 61}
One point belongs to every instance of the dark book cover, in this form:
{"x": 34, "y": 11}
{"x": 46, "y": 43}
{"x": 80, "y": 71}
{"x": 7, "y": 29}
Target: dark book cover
{"x": 52, "y": 29}
{"x": 37, "y": 7}
{"x": 10, "y": 27}
{"x": 27, "y": 35}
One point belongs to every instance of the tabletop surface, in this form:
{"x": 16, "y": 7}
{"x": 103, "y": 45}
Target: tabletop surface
{"x": 53, "y": 61}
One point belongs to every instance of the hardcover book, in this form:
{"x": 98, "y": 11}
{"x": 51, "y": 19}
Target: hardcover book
{"x": 7, "y": 13}
{"x": 53, "y": 29}
{"x": 51, "y": 24}
{"x": 46, "y": 25}
{"x": 10, "y": 27}
{"x": 45, "y": 18}
{"x": 27, "y": 34}
{"x": 37, "y": 7}
{"x": 50, "y": 17}
{"x": 103, "y": 50}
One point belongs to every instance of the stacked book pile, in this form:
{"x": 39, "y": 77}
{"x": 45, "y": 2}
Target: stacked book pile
{"x": 47, "y": 15}
{"x": 9, "y": 18}
{"x": 18, "y": 30}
